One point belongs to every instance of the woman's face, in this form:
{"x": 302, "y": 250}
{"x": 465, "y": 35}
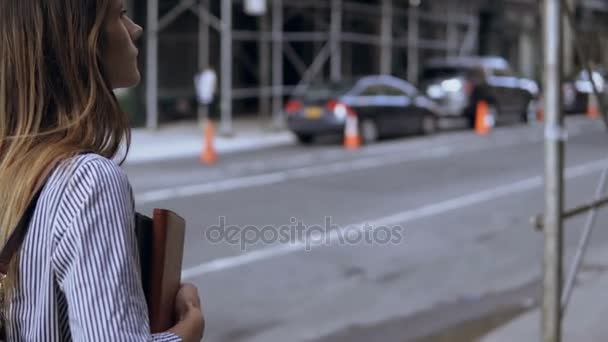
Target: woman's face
{"x": 119, "y": 54}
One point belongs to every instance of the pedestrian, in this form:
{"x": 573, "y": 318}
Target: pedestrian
{"x": 478, "y": 91}
{"x": 76, "y": 274}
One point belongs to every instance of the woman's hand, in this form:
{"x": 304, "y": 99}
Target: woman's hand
{"x": 187, "y": 298}
{"x": 188, "y": 311}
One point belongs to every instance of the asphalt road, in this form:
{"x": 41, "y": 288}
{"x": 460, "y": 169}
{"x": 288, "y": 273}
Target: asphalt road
{"x": 409, "y": 236}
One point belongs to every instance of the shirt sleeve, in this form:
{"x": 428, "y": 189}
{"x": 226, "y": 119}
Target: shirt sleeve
{"x": 96, "y": 261}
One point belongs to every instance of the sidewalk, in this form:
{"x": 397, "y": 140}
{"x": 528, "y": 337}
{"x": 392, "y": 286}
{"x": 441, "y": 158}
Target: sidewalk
{"x": 185, "y": 140}
{"x": 586, "y": 314}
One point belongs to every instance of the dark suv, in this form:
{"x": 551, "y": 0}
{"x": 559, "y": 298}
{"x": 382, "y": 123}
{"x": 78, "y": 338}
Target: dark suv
{"x": 458, "y": 84}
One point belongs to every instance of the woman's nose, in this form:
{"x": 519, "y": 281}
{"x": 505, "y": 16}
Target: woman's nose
{"x": 136, "y": 32}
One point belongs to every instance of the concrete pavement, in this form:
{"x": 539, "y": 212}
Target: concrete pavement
{"x": 585, "y": 318}
{"x": 185, "y": 140}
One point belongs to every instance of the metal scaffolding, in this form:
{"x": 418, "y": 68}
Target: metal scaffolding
{"x": 275, "y": 46}
{"x": 559, "y": 18}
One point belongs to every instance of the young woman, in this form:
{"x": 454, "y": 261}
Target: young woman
{"x": 76, "y": 275}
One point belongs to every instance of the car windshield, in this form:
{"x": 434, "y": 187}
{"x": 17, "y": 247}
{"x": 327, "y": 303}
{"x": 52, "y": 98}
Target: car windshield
{"x": 443, "y": 72}
{"x": 584, "y": 76}
{"x": 318, "y": 92}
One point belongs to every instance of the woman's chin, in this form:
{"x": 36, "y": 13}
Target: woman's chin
{"x": 129, "y": 82}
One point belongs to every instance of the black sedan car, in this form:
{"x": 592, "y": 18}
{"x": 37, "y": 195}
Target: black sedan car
{"x": 578, "y": 89}
{"x": 459, "y": 83}
{"x": 384, "y": 106}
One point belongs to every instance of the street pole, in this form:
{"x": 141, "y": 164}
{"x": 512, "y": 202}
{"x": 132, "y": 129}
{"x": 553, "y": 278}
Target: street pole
{"x": 226, "y": 78}
{"x": 554, "y": 163}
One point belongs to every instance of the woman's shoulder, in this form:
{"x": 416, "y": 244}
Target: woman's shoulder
{"x": 84, "y": 184}
{"x": 90, "y": 171}
{"x": 92, "y": 164}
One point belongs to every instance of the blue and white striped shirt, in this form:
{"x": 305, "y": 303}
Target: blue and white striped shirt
{"x": 79, "y": 277}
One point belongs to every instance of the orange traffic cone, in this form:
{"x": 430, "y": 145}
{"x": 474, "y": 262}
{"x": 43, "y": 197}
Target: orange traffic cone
{"x": 208, "y": 155}
{"x": 593, "y": 111}
{"x": 540, "y": 115}
{"x": 483, "y": 119}
{"x": 540, "y": 110}
{"x": 352, "y": 140}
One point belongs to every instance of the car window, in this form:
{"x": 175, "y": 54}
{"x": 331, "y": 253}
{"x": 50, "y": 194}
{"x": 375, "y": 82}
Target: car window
{"x": 502, "y": 72}
{"x": 372, "y": 90}
{"x": 319, "y": 92}
{"x": 443, "y": 72}
{"x": 382, "y": 89}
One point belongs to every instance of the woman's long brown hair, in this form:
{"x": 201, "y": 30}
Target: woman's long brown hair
{"x": 54, "y": 99}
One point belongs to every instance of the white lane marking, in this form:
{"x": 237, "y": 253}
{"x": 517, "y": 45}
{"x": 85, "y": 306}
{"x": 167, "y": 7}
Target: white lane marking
{"x": 327, "y": 169}
{"x": 399, "y": 218}
{"x": 500, "y": 140}
{"x": 281, "y": 176}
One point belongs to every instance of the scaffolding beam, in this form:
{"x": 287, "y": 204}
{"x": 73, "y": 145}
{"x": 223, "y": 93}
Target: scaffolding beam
{"x": 152, "y": 66}
{"x": 277, "y": 63}
{"x": 203, "y": 51}
{"x": 175, "y": 12}
{"x": 554, "y": 168}
{"x": 226, "y": 72}
{"x": 386, "y": 37}
{"x": 413, "y": 37}
{"x": 294, "y": 58}
{"x": 568, "y": 44}
{"x": 264, "y": 80}
{"x": 452, "y": 31}
{"x": 335, "y": 40}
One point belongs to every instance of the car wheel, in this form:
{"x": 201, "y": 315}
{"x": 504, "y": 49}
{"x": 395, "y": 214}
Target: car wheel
{"x": 369, "y": 131}
{"x": 429, "y": 125}
{"x": 305, "y": 139}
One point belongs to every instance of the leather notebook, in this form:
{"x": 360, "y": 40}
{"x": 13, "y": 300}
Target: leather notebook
{"x": 161, "y": 248}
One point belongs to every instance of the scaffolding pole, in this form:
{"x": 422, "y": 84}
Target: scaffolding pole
{"x": 203, "y": 51}
{"x": 335, "y": 40}
{"x": 554, "y": 163}
{"x": 386, "y": 37}
{"x": 277, "y": 63}
{"x": 264, "y": 51}
{"x": 152, "y": 66}
{"x": 452, "y": 31}
{"x": 226, "y": 72}
{"x": 568, "y": 44}
{"x": 413, "y": 37}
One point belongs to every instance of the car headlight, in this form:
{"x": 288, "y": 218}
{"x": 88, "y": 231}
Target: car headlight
{"x": 452, "y": 85}
{"x": 340, "y": 111}
{"x": 435, "y": 91}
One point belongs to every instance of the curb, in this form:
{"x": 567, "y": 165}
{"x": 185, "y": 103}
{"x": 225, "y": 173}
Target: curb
{"x": 145, "y": 155}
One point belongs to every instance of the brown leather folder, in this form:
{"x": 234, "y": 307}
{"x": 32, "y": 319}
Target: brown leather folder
{"x": 161, "y": 248}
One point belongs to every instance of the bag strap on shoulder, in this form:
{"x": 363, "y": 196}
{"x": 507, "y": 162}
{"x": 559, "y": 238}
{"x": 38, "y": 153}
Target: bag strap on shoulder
{"x": 17, "y": 237}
